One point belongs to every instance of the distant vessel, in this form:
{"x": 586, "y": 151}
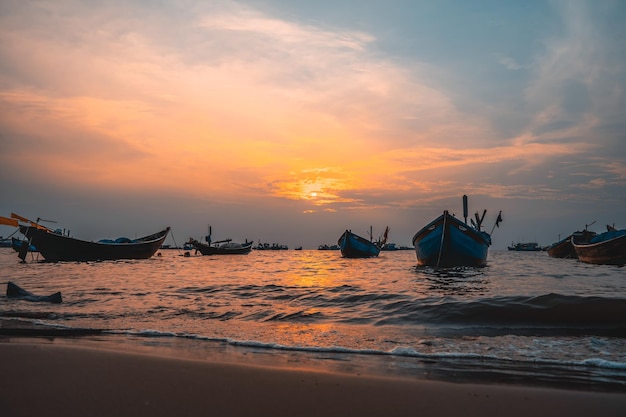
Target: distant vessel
{"x": 389, "y": 247}
{"x": 355, "y": 246}
{"x": 326, "y": 247}
{"x": 17, "y": 244}
{"x": 273, "y": 246}
{"x": 220, "y": 247}
{"x": 526, "y": 247}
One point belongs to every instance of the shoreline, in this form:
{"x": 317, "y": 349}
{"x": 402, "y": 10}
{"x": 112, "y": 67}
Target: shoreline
{"x": 78, "y": 377}
{"x": 457, "y": 370}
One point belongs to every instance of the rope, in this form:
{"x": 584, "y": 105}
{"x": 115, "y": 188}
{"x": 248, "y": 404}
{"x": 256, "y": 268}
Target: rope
{"x": 175, "y": 244}
{"x": 443, "y": 235}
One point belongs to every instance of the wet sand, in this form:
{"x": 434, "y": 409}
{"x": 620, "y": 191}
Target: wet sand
{"x": 43, "y": 378}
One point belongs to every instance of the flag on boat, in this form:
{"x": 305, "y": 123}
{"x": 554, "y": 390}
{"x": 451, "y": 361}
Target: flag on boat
{"x": 499, "y": 219}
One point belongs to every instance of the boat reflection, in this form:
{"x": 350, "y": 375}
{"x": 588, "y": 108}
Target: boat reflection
{"x": 454, "y": 281}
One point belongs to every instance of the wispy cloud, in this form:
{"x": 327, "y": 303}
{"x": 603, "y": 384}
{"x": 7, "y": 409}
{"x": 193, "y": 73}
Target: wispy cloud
{"x": 228, "y": 101}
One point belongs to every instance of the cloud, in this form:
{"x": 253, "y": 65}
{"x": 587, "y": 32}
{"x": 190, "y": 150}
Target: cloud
{"x": 225, "y": 103}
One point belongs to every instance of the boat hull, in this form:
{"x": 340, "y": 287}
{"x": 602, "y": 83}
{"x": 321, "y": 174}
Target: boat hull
{"x": 449, "y": 242}
{"x": 56, "y": 247}
{"x": 238, "y": 249}
{"x": 605, "y": 252}
{"x": 564, "y": 247}
{"x": 355, "y": 246}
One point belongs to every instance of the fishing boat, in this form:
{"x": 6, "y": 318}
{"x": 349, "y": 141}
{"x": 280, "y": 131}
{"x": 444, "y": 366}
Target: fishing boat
{"x": 450, "y": 242}
{"x": 607, "y": 248}
{"x": 352, "y": 245}
{"x": 273, "y": 246}
{"x": 55, "y": 246}
{"x": 220, "y": 247}
{"x": 525, "y": 247}
{"x": 17, "y": 245}
{"x": 564, "y": 248}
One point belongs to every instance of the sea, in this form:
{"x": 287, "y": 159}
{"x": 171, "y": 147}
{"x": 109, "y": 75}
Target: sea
{"x": 525, "y": 318}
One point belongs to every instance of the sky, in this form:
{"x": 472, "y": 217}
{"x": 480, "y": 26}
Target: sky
{"x": 291, "y": 121}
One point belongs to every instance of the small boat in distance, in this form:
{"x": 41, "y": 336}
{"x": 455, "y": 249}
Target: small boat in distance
{"x": 608, "y": 248}
{"x": 16, "y": 244}
{"x": 355, "y": 246}
{"x": 525, "y": 247}
{"x": 55, "y": 246}
{"x": 564, "y": 248}
{"x": 220, "y": 247}
{"x": 450, "y": 242}
{"x": 273, "y": 246}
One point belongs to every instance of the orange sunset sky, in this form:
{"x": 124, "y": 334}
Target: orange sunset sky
{"x": 292, "y": 122}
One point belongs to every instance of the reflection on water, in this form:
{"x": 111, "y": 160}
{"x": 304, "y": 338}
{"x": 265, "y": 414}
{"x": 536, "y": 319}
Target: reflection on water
{"x": 462, "y": 280}
{"x": 520, "y": 307}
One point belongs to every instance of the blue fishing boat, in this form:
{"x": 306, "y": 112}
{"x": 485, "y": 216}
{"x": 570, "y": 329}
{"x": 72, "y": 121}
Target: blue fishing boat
{"x": 450, "y": 242}
{"x": 355, "y": 246}
{"x": 17, "y": 244}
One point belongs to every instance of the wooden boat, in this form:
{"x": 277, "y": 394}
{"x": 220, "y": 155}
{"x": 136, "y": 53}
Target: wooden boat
{"x": 14, "y": 291}
{"x": 449, "y": 242}
{"x": 525, "y": 247}
{"x": 222, "y": 247}
{"x": 564, "y": 248}
{"x": 355, "y": 246}
{"x": 605, "y": 248}
{"x": 55, "y": 246}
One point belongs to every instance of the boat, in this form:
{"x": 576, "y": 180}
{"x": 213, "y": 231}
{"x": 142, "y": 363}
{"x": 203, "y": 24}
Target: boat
{"x": 564, "y": 248}
{"x": 273, "y": 246}
{"x": 17, "y": 244}
{"x": 450, "y": 242}
{"x": 389, "y": 247}
{"x": 14, "y": 291}
{"x": 352, "y": 245}
{"x": 608, "y": 248}
{"x": 55, "y": 246}
{"x": 525, "y": 247}
{"x": 220, "y": 247}
{"x": 327, "y": 247}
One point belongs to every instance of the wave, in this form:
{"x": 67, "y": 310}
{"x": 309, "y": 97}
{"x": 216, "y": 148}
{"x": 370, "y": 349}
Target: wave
{"x": 549, "y": 310}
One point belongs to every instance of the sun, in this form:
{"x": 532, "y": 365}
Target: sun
{"x": 312, "y": 194}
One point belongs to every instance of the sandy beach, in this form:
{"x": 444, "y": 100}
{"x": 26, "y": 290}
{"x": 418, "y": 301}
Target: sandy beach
{"x": 41, "y": 378}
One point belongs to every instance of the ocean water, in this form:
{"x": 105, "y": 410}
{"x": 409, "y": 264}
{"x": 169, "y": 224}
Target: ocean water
{"x": 524, "y": 318}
